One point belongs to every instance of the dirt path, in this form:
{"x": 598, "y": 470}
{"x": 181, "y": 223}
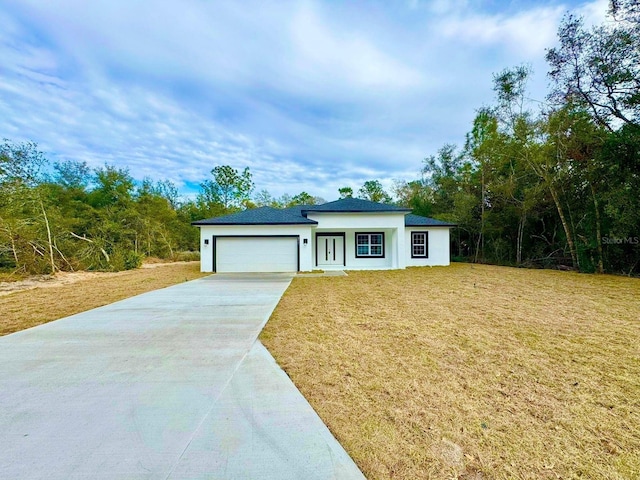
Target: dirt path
{"x": 36, "y": 300}
{"x": 66, "y": 278}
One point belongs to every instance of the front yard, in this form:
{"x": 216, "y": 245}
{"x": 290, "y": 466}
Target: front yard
{"x": 36, "y": 300}
{"x": 470, "y": 371}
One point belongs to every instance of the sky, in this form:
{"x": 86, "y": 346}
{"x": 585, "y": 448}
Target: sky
{"x": 311, "y": 96}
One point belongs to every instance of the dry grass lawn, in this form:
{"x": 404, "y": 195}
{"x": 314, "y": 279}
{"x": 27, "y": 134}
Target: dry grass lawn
{"x": 470, "y": 371}
{"x": 35, "y": 304}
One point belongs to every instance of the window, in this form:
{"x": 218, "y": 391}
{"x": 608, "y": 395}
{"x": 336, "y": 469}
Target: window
{"x": 369, "y": 244}
{"x": 419, "y": 244}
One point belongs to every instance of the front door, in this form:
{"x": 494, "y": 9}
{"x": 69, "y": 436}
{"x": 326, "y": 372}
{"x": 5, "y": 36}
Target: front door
{"x": 330, "y": 250}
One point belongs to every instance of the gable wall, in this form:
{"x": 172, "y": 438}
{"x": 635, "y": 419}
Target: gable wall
{"x": 358, "y": 220}
{"x": 439, "y": 244}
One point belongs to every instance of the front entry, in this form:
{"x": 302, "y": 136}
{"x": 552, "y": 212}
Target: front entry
{"x": 329, "y": 250}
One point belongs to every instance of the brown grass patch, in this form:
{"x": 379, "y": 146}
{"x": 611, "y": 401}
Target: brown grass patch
{"x": 32, "y": 302}
{"x": 7, "y": 277}
{"x": 470, "y": 371}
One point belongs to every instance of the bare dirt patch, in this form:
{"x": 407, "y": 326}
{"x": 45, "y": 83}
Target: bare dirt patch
{"x": 470, "y": 371}
{"x": 65, "y": 278}
{"x": 48, "y": 281}
{"x": 43, "y": 298}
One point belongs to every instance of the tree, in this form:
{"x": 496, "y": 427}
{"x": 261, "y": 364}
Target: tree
{"x": 372, "y": 190}
{"x": 24, "y": 222}
{"x": 617, "y": 179}
{"x": 157, "y": 226}
{"x": 229, "y": 188}
{"x": 533, "y": 143}
{"x": 167, "y": 190}
{"x": 72, "y": 218}
{"x": 113, "y": 187}
{"x": 444, "y": 173}
{"x": 71, "y": 174}
{"x": 112, "y": 237}
{"x": 264, "y": 199}
{"x": 535, "y": 185}
{"x": 345, "y": 192}
{"x": 303, "y": 198}
{"x": 416, "y": 195}
{"x": 20, "y": 163}
{"x": 628, "y": 10}
{"x": 481, "y": 146}
{"x": 600, "y": 68}
{"x": 449, "y": 176}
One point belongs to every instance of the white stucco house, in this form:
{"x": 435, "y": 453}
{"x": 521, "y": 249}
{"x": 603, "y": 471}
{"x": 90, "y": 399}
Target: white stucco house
{"x": 351, "y": 234}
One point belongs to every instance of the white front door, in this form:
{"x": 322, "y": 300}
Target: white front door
{"x": 330, "y": 250}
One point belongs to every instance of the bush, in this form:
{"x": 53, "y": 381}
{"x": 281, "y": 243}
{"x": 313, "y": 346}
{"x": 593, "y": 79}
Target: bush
{"x": 186, "y": 256}
{"x": 125, "y": 260}
{"x": 132, "y": 260}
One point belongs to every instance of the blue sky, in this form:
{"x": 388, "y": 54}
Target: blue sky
{"x": 309, "y": 95}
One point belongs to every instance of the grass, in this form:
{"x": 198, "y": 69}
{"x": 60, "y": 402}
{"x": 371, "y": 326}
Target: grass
{"x": 470, "y": 371}
{"x": 11, "y": 276}
{"x": 28, "y": 308}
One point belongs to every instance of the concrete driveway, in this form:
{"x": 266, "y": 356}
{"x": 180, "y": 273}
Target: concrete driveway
{"x": 171, "y": 384}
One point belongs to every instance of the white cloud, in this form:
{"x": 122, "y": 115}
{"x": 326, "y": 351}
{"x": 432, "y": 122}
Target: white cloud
{"x": 347, "y": 58}
{"x": 311, "y": 96}
{"x": 595, "y": 12}
{"x": 442, "y": 7}
{"x": 528, "y": 32}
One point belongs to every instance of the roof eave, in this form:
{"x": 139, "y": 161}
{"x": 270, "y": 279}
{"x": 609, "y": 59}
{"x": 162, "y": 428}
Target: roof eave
{"x": 200, "y": 224}
{"x": 446, "y": 225}
{"x": 403, "y": 210}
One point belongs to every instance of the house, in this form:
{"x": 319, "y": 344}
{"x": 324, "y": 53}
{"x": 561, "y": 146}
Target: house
{"x": 350, "y": 233}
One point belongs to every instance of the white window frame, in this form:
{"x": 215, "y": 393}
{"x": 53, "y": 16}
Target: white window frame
{"x": 369, "y": 245}
{"x": 424, "y": 243}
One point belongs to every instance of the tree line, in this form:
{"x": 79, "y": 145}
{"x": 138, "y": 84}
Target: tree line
{"x": 67, "y": 216}
{"x": 554, "y": 183}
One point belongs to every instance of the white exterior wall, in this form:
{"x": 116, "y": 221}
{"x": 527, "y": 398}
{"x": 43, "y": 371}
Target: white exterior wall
{"x": 439, "y": 244}
{"x": 208, "y": 231}
{"x": 397, "y": 240}
{"x": 391, "y": 224}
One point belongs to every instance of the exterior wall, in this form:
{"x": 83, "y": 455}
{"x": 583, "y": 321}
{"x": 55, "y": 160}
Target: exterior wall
{"x": 208, "y": 231}
{"x": 391, "y": 224}
{"x": 439, "y": 245}
{"x": 397, "y": 239}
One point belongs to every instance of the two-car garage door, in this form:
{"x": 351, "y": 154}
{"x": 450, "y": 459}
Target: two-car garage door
{"x": 255, "y": 254}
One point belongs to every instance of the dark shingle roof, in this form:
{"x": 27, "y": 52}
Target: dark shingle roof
{"x": 348, "y": 205}
{"x": 259, "y": 216}
{"x": 295, "y": 215}
{"x": 297, "y": 209}
{"x": 412, "y": 220}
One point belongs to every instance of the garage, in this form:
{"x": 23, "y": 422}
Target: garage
{"x": 255, "y": 254}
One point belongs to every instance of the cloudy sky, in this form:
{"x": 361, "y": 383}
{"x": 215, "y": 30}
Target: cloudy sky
{"x": 309, "y": 95}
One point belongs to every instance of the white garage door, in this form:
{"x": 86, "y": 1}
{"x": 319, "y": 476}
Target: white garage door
{"x": 256, "y": 254}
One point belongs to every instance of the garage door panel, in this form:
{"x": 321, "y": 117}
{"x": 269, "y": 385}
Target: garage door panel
{"x": 256, "y": 254}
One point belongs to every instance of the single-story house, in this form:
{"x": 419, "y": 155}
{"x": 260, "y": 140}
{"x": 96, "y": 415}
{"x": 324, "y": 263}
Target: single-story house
{"x": 350, "y": 233}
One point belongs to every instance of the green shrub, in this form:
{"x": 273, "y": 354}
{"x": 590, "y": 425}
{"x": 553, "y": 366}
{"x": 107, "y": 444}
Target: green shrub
{"x": 186, "y": 256}
{"x": 122, "y": 259}
{"x": 132, "y": 260}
